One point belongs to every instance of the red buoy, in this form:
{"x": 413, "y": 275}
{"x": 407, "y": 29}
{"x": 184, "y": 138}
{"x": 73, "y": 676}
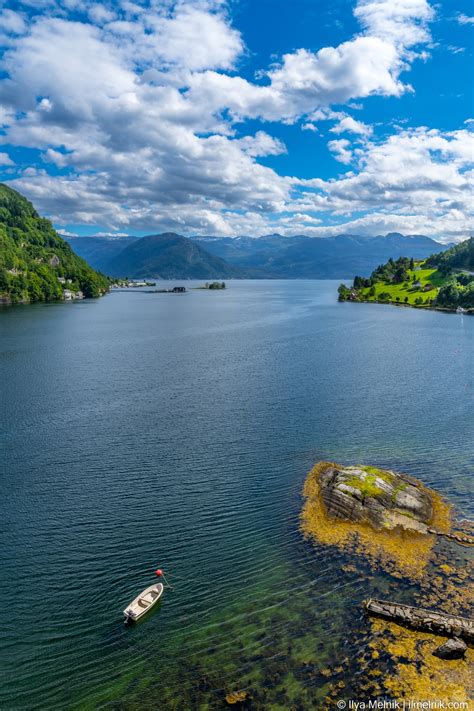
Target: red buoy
{"x": 159, "y": 572}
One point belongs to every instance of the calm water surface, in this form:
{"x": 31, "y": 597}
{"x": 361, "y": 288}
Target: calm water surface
{"x": 176, "y": 430}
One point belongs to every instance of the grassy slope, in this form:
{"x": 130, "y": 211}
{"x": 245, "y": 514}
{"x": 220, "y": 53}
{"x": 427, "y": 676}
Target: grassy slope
{"x": 449, "y": 276}
{"x": 407, "y": 290}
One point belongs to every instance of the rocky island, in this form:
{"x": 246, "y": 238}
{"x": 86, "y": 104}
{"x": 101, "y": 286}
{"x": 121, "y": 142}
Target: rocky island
{"x": 380, "y": 498}
{"x": 390, "y": 517}
{"x": 396, "y": 539}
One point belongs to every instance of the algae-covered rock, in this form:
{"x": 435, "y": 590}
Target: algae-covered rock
{"x": 454, "y": 648}
{"x": 386, "y": 517}
{"x": 381, "y": 498}
{"x": 236, "y": 697}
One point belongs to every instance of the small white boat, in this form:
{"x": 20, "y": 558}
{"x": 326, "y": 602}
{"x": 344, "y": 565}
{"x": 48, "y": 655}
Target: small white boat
{"x": 143, "y": 602}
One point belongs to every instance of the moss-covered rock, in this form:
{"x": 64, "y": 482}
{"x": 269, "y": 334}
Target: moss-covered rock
{"x": 381, "y": 498}
{"x": 388, "y": 518}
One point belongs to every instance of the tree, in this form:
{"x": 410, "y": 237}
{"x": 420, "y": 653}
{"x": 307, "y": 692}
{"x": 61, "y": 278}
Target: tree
{"x": 448, "y": 295}
{"x": 400, "y": 275}
{"x": 343, "y": 292}
{"x": 4, "y": 283}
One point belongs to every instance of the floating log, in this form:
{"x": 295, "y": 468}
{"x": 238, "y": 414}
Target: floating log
{"x": 423, "y": 620}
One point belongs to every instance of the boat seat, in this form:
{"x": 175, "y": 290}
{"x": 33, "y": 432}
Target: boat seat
{"x": 143, "y": 603}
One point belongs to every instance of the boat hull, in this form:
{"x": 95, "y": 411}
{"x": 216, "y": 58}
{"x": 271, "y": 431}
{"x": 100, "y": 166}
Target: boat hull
{"x": 143, "y": 603}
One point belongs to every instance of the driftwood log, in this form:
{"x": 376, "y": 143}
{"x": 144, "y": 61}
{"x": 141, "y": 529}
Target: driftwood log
{"x": 423, "y": 620}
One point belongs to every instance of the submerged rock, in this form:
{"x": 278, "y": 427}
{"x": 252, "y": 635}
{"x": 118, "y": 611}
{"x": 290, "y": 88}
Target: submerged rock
{"x": 381, "y": 498}
{"x": 236, "y": 697}
{"x": 454, "y": 648}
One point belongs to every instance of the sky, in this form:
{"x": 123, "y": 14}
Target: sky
{"x": 246, "y": 117}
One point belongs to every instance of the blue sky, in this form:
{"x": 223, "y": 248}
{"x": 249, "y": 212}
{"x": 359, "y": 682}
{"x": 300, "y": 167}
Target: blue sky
{"x": 240, "y": 117}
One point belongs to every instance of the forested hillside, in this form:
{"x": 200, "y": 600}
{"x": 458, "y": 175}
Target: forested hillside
{"x": 36, "y": 264}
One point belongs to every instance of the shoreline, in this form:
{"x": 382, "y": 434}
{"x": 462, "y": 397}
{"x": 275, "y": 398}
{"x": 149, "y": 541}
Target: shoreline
{"x": 422, "y": 307}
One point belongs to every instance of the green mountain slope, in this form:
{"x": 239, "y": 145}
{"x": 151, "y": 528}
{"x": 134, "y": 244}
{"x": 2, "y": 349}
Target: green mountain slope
{"x": 169, "y": 256}
{"x": 36, "y": 264}
{"x": 444, "y": 280}
{"x": 461, "y": 256}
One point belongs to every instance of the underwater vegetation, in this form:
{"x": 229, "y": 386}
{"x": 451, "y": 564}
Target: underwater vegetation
{"x": 430, "y": 572}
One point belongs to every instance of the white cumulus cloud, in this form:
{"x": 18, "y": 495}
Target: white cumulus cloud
{"x": 347, "y": 124}
{"x": 5, "y": 159}
{"x": 143, "y": 111}
{"x": 341, "y": 149}
{"x": 465, "y": 19}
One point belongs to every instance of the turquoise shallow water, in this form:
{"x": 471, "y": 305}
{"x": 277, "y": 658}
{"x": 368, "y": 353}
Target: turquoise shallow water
{"x": 176, "y": 430}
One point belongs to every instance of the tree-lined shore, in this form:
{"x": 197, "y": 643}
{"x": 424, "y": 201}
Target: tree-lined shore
{"x": 443, "y": 281}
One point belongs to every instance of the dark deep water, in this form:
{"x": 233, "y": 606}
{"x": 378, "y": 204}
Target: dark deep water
{"x": 176, "y": 430}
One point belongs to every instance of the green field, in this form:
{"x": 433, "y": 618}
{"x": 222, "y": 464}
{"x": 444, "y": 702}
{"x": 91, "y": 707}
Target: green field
{"x": 408, "y": 292}
{"x": 443, "y": 281}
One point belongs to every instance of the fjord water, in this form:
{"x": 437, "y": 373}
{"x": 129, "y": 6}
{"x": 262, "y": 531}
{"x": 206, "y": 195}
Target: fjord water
{"x": 144, "y": 430}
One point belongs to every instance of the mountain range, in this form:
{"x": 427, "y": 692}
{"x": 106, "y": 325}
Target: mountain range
{"x": 169, "y": 256}
{"x": 172, "y": 256}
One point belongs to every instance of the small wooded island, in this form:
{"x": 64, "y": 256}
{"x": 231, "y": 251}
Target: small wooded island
{"x": 443, "y": 281}
{"x": 213, "y": 285}
{"x": 398, "y": 533}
